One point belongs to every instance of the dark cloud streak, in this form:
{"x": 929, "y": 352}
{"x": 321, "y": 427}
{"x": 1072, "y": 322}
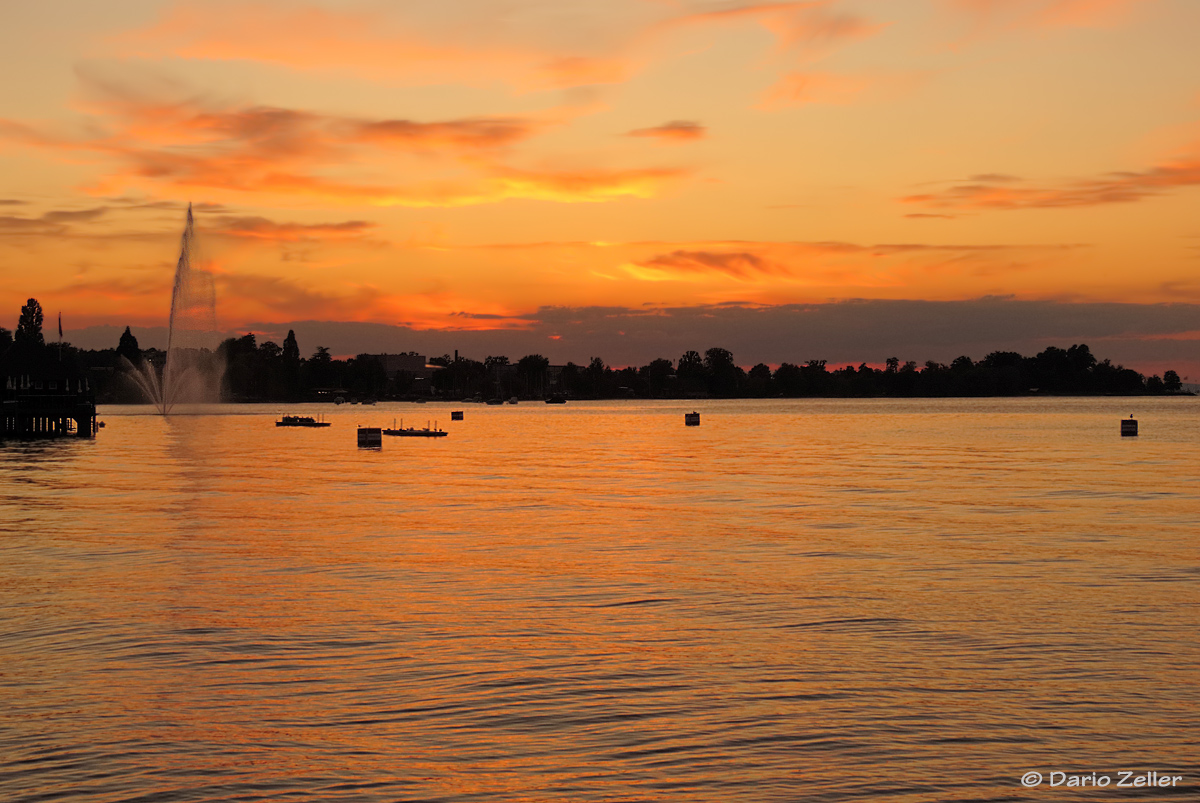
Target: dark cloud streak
{"x": 841, "y": 332}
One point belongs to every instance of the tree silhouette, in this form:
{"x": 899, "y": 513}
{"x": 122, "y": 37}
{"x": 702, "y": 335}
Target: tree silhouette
{"x": 691, "y": 366}
{"x": 291, "y": 366}
{"x": 787, "y": 379}
{"x": 656, "y": 374}
{"x": 594, "y": 375}
{"x": 569, "y": 378}
{"x": 320, "y": 369}
{"x": 29, "y": 327}
{"x": 127, "y": 347}
{"x": 1080, "y": 357}
{"x": 759, "y": 380}
{"x": 255, "y": 372}
{"x": 533, "y": 368}
{"x": 814, "y": 378}
{"x": 724, "y": 377}
{"x": 291, "y": 349}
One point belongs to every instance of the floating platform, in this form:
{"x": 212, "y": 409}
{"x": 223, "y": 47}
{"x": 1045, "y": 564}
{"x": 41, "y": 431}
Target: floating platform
{"x": 416, "y": 433}
{"x": 691, "y": 419}
{"x": 456, "y": 415}
{"x": 370, "y": 437}
{"x": 1129, "y": 427}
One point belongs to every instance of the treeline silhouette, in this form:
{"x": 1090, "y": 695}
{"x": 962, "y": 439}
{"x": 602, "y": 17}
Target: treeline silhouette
{"x": 1054, "y": 371}
{"x": 268, "y": 371}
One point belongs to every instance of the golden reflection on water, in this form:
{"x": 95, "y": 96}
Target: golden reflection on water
{"x": 906, "y": 601}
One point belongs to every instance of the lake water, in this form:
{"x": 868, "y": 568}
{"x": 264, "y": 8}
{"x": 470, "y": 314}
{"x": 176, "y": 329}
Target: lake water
{"x": 798, "y": 600}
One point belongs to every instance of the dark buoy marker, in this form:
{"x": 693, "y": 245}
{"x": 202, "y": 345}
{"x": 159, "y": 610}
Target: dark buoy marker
{"x": 370, "y": 437}
{"x": 691, "y": 419}
{"x": 1129, "y": 426}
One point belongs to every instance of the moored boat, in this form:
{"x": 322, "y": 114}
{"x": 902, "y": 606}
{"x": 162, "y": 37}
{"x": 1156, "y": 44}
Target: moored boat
{"x": 300, "y": 421}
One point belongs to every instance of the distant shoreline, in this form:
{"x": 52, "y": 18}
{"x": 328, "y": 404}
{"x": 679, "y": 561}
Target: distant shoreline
{"x": 691, "y": 399}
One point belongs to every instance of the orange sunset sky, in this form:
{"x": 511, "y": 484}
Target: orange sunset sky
{"x": 522, "y": 166}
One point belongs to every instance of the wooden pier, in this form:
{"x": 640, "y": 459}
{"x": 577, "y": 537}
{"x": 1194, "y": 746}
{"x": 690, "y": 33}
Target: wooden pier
{"x": 43, "y": 398}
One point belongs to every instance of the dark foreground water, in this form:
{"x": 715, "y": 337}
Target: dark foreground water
{"x": 810, "y": 600}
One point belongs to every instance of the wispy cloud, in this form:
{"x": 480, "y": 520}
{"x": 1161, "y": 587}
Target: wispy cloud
{"x": 768, "y": 271}
{"x": 999, "y": 192}
{"x": 1047, "y": 14}
{"x": 13, "y": 225}
{"x": 74, "y": 215}
{"x": 261, "y": 228}
{"x": 56, "y": 222}
{"x": 158, "y": 145}
{"x": 396, "y": 46}
{"x": 674, "y": 131}
{"x": 798, "y": 89}
{"x": 375, "y": 46}
{"x": 805, "y": 29}
{"x": 806, "y": 87}
{"x": 738, "y": 265}
{"x": 804, "y": 33}
{"x": 472, "y": 133}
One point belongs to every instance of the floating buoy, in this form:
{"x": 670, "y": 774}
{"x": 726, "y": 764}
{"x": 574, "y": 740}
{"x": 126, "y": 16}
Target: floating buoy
{"x": 456, "y": 415}
{"x": 691, "y": 419}
{"x": 370, "y": 437}
{"x": 1129, "y": 426}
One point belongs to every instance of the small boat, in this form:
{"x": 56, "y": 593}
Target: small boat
{"x": 300, "y": 421}
{"x": 495, "y": 401}
{"x": 513, "y": 400}
{"x": 556, "y": 399}
{"x": 413, "y": 432}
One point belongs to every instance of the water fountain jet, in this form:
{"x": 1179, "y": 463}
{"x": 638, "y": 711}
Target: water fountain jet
{"x": 190, "y": 374}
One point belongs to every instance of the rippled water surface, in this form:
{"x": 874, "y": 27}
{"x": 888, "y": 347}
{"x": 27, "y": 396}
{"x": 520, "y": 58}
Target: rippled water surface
{"x": 801, "y": 600}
